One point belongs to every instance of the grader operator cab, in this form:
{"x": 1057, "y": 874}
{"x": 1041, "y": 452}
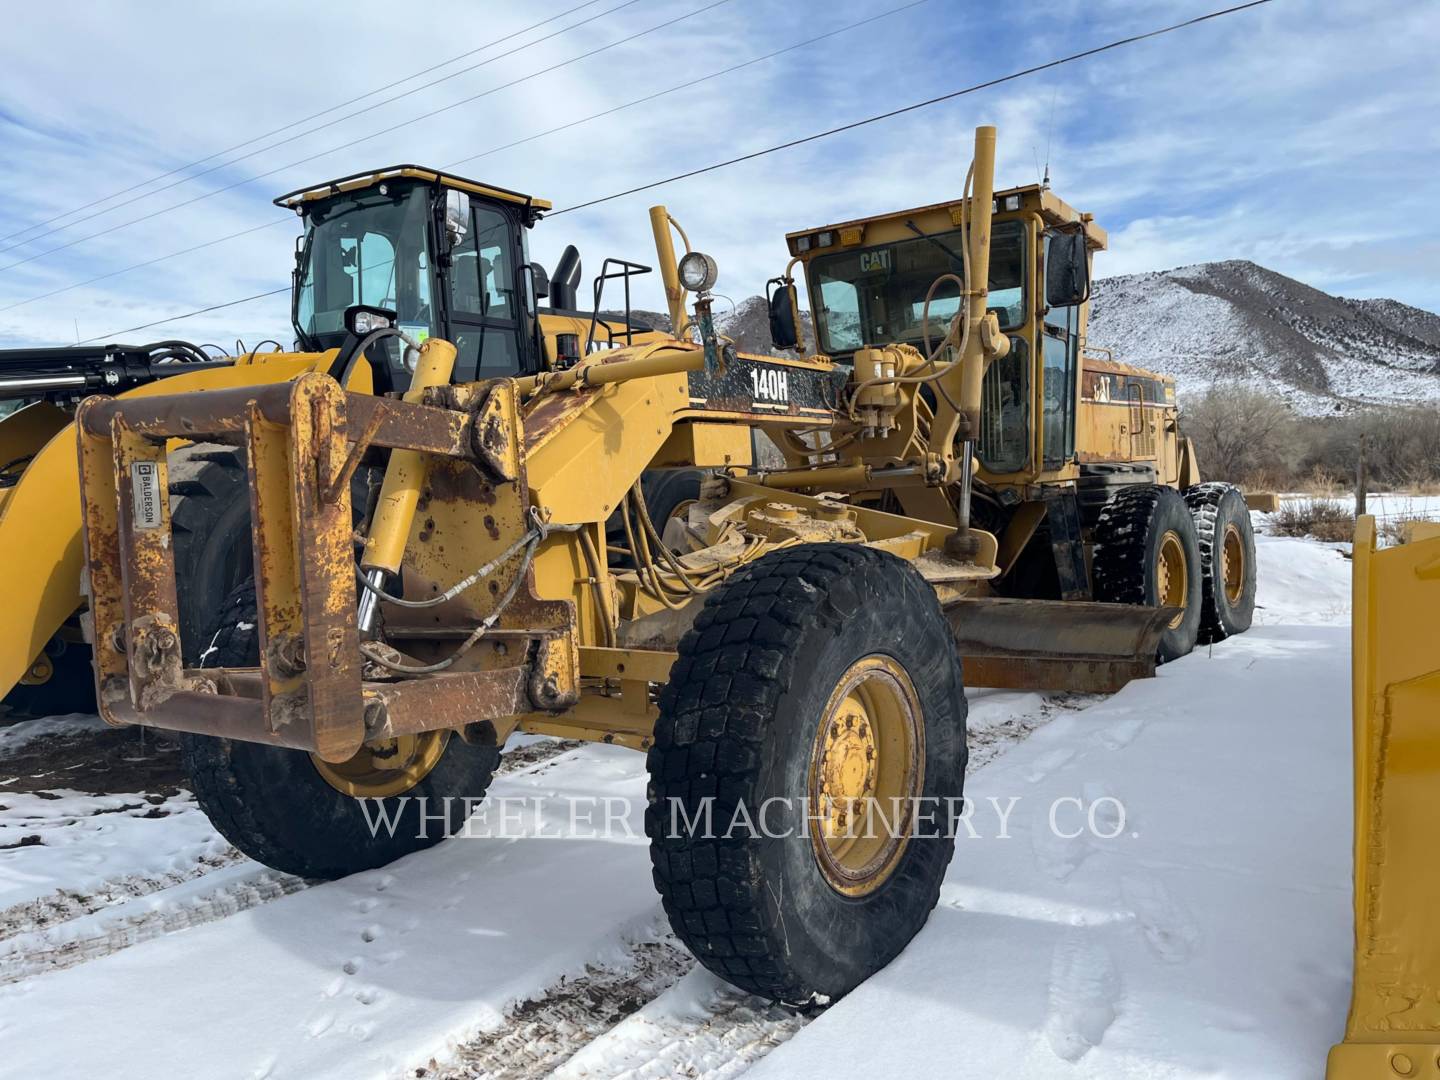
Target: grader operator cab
{"x": 966, "y": 497}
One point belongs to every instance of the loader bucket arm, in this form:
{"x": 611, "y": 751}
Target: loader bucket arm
{"x": 40, "y": 525}
{"x": 1394, "y": 1024}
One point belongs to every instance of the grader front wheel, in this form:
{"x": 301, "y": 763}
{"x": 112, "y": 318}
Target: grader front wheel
{"x": 809, "y": 753}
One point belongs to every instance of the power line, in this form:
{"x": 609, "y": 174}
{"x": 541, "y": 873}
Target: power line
{"x": 287, "y": 219}
{"x": 311, "y": 131}
{"x": 493, "y": 150}
{"x": 486, "y": 153}
{"x": 430, "y": 69}
{"x": 1072, "y": 58}
{"x": 1118, "y": 43}
{"x": 187, "y": 315}
{"x": 688, "y": 83}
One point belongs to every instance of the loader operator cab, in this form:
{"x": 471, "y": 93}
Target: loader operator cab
{"x": 868, "y": 281}
{"x": 447, "y": 256}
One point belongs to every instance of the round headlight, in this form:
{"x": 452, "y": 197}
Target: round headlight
{"x": 698, "y": 271}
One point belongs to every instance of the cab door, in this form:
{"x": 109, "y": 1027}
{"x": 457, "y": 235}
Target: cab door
{"x": 486, "y": 297}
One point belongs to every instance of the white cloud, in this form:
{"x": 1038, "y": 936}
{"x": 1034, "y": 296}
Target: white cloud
{"x": 1257, "y": 136}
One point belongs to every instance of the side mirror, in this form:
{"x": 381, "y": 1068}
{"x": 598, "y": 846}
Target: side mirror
{"x": 784, "y": 314}
{"x": 1067, "y": 270}
{"x": 539, "y": 281}
{"x": 457, "y": 214}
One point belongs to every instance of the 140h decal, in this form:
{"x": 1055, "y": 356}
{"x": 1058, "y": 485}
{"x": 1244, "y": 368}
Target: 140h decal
{"x": 770, "y": 384}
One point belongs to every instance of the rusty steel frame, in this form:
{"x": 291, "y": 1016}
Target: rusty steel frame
{"x": 308, "y": 692}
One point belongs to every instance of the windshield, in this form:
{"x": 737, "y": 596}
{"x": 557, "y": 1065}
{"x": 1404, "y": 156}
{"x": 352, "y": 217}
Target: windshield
{"x": 876, "y": 295}
{"x": 369, "y": 249}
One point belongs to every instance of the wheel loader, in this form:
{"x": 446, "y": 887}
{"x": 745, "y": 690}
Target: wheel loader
{"x": 45, "y": 665}
{"x": 448, "y": 539}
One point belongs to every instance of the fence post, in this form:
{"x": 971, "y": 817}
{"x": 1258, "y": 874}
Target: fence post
{"x": 1360, "y": 480}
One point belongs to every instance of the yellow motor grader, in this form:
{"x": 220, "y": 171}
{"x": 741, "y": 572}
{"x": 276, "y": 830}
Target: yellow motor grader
{"x": 472, "y": 550}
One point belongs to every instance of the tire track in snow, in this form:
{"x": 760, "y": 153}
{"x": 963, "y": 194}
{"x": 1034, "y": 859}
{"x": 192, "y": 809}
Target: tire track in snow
{"x": 652, "y": 1013}
{"x": 541, "y": 1033}
{"x": 66, "y": 905}
{"x": 701, "y": 1028}
{"x": 102, "y": 932}
{"x": 67, "y": 927}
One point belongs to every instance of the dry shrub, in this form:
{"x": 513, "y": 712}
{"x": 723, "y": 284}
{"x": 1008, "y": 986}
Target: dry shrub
{"x": 1392, "y": 530}
{"x": 1323, "y": 519}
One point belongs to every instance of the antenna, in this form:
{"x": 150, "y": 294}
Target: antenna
{"x": 1049, "y": 134}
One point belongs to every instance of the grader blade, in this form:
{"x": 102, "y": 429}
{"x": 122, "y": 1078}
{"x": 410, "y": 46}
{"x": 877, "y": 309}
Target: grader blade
{"x": 1056, "y": 645}
{"x": 1394, "y": 1024}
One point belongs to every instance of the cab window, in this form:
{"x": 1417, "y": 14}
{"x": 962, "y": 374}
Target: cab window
{"x": 1060, "y": 342}
{"x": 484, "y": 305}
{"x": 876, "y": 295}
{"x": 367, "y": 249}
{"x": 1004, "y": 443}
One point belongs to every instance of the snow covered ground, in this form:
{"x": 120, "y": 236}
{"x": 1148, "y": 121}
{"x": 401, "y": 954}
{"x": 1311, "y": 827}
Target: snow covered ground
{"x": 1197, "y": 924}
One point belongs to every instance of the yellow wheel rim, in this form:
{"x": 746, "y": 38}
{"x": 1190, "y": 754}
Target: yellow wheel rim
{"x": 385, "y": 767}
{"x": 866, "y": 767}
{"x": 1232, "y": 564}
{"x": 1172, "y": 576}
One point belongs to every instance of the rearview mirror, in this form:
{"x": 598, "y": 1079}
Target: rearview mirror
{"x": 784, "y": 315}
{"x": 1067, "y": 270}
{"x": 457, "y": 214}
{"x": 540, "y": 281}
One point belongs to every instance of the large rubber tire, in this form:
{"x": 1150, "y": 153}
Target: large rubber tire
{"x": 665, "y": 490}
{"x": 210, "y": 525}
{"x": 273, "y": 804}
{"x": 1222, "y": 523}
{"x": 1129, "y": 536}
{"x": 70, "y": 688}
{"x": 738, "y": 722}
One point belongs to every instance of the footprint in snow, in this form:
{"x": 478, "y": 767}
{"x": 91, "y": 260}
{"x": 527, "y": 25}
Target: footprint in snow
{"x": 320, "y": 1025}
{"x": 1168, "y": 926}
{"x": 1085, "y": 992}
{"x": 1122, "y": 733}
{"x": 369, "y": 934}
{"x": 1059, "y": 855}
{"x": 1047, "y": 763}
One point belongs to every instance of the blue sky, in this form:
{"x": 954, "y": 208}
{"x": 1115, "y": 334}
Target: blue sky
{"x": 1301, "y": 135}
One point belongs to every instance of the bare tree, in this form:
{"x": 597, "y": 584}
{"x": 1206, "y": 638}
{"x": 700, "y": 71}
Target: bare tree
{"x": 1240, "y": 433}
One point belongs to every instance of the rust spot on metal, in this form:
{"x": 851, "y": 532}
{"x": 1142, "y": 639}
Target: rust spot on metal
{"x": 457, "y": 482}
{"x": 491, "y": 527}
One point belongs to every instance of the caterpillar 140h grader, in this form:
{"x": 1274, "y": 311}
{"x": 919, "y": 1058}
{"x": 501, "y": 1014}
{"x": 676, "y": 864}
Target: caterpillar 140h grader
{"x": 469, "y": 551}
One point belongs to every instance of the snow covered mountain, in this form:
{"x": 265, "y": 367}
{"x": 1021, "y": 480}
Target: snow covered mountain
{"x": 1236, "y": 321}
{"x": 1229, "y": 322}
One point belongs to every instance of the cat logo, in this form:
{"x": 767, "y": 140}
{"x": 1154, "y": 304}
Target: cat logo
{"x": 877, "y": 261}
{"x": 770, "y": 384}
